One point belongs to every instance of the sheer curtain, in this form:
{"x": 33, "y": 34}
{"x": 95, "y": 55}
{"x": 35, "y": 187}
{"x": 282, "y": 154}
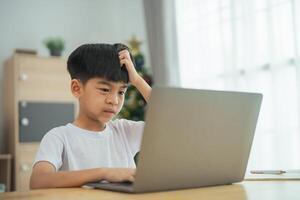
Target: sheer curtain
{"x": 248, "y": 46}
{"x": 161, "y": 31}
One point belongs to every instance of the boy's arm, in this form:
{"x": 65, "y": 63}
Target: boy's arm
{"x": 134, "y": 77}
{"x": 45, "y": 176}
{"x": 143, "y": 87}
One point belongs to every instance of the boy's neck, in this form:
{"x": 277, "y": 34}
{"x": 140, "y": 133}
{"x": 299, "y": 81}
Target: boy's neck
{"x": 86, "y": 123}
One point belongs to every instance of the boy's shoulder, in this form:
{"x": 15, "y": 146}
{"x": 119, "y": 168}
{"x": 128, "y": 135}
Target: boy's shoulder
{"x": 117, "y": 123}
{"x": 58, "y": 131}
{"x": 124, "y": 122}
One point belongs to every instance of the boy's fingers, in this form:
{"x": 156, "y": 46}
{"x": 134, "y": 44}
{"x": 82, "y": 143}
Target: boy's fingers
{"x": 133, "y": 171}
{"x": 122, "y": 62}
{"x": 131, "y": 179}
{"x": 126, "y": 63}
{"x": 124, "y": 54}
{"x": 123, "y": 51}
{"x": 124, "y": 57}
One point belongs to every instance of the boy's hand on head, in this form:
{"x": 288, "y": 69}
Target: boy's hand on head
{"x": 126, "y": 61}
{"x": 119, "y": 174}
{"x": 134, "y": 78}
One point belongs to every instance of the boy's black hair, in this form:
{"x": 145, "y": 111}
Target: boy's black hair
{"x": 98, "y": 60}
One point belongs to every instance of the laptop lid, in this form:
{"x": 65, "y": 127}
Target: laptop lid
{"x": 195, "y": 138}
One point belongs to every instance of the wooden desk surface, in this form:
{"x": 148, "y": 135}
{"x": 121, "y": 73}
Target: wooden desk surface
{"x": 250, "y": 190}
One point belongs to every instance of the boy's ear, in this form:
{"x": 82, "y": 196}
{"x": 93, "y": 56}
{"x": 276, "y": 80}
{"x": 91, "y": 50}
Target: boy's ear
{"x": 76, "y": 88}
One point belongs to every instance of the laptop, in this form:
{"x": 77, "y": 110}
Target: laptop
{"x": 193, "y": 138}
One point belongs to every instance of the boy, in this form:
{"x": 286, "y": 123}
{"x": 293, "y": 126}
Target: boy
{"x": 93, "y": 148}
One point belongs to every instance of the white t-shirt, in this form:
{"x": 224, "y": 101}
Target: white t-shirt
{"x": 72, "y": 148}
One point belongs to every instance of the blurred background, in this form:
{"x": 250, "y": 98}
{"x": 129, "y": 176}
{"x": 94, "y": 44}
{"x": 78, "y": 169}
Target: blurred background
{"x": 240, "y": 45}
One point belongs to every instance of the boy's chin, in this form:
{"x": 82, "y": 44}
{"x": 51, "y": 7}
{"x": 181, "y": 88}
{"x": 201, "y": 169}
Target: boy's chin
{"x": 104, "y": 120}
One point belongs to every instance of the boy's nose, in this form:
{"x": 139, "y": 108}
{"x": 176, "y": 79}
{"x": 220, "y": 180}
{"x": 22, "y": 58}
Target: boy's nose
{"x": 112, "y": 99}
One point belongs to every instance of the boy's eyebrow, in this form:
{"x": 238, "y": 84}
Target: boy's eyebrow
{"x": 109, "y": 84}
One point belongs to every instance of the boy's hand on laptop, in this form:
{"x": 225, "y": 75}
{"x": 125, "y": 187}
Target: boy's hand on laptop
{"x": 119, "y": 174}
{"x": 126, "y": 61}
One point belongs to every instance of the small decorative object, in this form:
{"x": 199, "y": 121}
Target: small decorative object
{"x": 26, "y": 51}
{"x": 135, "y": 104}
{"x": 55, "y": 46}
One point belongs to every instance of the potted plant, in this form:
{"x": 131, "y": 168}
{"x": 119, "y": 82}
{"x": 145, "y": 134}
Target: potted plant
{"x": 55, "y": 46}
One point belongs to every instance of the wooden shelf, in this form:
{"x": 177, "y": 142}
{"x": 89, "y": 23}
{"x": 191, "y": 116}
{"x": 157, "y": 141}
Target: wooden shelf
{"x": 30, "y": 79}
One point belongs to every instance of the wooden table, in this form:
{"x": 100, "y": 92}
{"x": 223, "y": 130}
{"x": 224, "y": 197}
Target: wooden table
{"x": 250, "y": 190}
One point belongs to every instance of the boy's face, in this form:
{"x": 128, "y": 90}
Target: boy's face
{"x": 100, "y": 100}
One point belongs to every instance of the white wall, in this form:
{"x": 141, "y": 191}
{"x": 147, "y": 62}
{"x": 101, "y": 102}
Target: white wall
{"x": 25, "y": 24}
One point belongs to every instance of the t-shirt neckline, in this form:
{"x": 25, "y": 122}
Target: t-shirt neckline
{"x": 89, "y": 132}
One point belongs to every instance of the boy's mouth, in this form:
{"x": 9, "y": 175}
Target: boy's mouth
{"x": 110, "y": 111}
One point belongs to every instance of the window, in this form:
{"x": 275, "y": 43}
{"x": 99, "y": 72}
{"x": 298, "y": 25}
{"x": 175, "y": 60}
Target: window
{"x": 248, "y": 46}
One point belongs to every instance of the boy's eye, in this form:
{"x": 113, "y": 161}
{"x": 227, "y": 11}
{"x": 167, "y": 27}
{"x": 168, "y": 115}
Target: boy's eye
{"x": 103, "y": 89}
{"x": 122, "y": 92}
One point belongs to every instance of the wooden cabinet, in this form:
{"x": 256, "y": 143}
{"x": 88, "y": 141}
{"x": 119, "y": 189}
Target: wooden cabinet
{"x": 37, "y": 98}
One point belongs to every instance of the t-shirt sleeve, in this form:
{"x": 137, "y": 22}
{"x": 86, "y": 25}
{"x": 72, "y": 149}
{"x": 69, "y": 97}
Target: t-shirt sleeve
{"x": 134, "y": 132}
{"x": 51, "y": 149}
